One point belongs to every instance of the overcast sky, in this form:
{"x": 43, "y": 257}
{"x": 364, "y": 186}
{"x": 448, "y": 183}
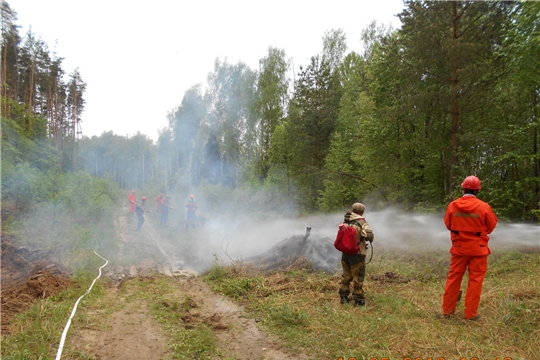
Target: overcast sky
{"x": 138, "y": 58}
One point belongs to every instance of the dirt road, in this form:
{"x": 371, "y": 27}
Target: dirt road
{"x": 132, "y": 332}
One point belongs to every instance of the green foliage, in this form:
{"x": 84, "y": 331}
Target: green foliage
{"x": 345, "y": 182}
{"x": 21, "y": 185}
{"x": 312, "y": 118}
{"x": 272, "y": 85}
{"x": 86, "y": 197}
{"x": 453, "y": 92}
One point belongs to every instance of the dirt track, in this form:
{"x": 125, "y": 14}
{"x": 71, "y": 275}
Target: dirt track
{"x": 239, "y": 336}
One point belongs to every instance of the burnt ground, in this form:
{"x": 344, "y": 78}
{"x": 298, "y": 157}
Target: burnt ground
{"x": 27, "y": 276}
{"x": 131, "y": 332}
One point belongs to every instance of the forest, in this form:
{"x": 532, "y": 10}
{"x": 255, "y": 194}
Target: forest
{"x": 453, "y": 92}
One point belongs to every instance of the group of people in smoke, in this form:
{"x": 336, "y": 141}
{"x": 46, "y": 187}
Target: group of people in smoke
{"x": 469, "y": 220}
{"x": 163, "y": 207}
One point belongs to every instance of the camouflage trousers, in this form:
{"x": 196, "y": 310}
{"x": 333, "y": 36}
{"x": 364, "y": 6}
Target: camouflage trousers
{"x": 354, "y": 270}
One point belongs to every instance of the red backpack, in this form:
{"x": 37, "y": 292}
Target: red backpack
{"x": 347, "y": 239}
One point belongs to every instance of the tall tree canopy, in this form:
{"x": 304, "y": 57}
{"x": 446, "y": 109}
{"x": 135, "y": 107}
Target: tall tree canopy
{"x": 453, "y": 92}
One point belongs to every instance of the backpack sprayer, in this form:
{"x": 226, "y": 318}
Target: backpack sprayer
{"x": 347, "y": 241}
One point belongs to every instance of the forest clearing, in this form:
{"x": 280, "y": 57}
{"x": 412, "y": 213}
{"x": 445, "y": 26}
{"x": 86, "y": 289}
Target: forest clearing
{"x": 150, "y": 303}
{"x": 215, "y": 240}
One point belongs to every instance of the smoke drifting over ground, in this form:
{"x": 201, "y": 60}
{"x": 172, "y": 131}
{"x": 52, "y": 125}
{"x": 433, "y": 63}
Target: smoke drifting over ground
{"x": 238, "y": 229}
{"x": 241, "y": 237}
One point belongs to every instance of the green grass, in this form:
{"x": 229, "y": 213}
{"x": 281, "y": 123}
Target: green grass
{"x": 37, "y": 331}
{"x": 301, "y": 307}
{"x": 401, "y": 318}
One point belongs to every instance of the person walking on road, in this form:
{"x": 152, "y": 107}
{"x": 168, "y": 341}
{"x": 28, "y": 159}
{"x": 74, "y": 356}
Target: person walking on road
{"x": 191, "y": 212}
{"x": 469, "y": 220}
{"x": 139, "y": 210}
{"x": 165, "y": 206}
{"x": 354, "y": 265}
{"x": 132, "y": 200}
{"x": 159, "y": 201}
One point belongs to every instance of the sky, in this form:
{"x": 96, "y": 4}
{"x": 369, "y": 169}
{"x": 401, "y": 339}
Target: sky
{"x": 139, "y": 58}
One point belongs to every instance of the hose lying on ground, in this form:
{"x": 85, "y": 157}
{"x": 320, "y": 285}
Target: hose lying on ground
{"x": 63, "y": 339}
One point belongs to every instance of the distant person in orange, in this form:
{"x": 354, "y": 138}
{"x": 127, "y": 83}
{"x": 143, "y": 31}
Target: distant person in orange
{"x": 132, "y": 201}
{"x": 159, "y": 203}
{"x": 469, "y": 220}
{"x": 191, "y": 212}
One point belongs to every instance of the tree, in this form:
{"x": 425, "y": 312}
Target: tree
{"x": 312, "y": 117}
{"x": 75, "y": 107}
{"x": 450, "y": 49}
{"x": 514, "y": 173}
{"x": 231, "y": 94}
{"x": 272, "y": 84}
{"x": 334, "y": 48}
{"x": 345, "y": 181}
{"x": 9, "y": 50}
{"x": 185, "y": 123}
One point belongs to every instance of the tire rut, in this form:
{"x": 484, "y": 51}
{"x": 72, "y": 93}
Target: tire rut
{"x": 239, "y": 336}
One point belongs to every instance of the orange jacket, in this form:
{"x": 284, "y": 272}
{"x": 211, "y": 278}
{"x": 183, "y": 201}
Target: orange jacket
{"x": 470, "y": 220}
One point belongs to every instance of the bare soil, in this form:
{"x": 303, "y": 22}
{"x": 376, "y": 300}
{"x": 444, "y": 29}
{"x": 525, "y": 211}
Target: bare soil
{"x": 27, "y": 276}
{"x": 132, "y": 332}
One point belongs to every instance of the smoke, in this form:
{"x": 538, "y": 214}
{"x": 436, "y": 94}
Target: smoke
{"x": 235, "y": 236}
{"x": 241, "y": 224}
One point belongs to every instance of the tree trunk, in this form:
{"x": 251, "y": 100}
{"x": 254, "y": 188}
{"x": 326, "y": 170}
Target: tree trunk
{"x": 31, "y": 96}
{"x": 455, "y": 100}
{"x": 535, "y": 145}
{"x": 74, "y": 161}
{"x": 4, "y": 82}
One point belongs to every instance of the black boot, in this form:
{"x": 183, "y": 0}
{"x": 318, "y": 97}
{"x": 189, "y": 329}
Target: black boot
{"x": 344, "y": 299}
{"x": 360, "y": 302}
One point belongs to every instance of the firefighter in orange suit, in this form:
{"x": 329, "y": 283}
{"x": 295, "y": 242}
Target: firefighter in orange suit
{"x": 132, "y": 201}
{"x": 469, "y": 220}
{"x": 160, "y": 200}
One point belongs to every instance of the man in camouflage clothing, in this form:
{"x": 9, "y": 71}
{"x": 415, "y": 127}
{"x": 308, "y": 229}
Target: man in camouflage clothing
{"x": 354, "y": 266}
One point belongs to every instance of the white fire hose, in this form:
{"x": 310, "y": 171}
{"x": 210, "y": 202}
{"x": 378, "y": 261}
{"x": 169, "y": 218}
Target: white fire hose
{"x": 61, "y": 347}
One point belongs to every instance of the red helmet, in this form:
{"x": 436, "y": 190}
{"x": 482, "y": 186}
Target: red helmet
{"x": 143, "y": 198}
{"x": 471, "y": 183}
{"x": 192, "y": 196}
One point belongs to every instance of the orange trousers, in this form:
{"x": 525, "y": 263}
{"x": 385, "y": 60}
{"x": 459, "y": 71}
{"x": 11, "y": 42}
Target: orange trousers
{"x": 477, "y": 266}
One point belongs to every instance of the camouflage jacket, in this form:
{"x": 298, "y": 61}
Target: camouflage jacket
{"x": 365, "y": 233}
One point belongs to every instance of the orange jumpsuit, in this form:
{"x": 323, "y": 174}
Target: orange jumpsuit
{"x": 469, "y": 220}
{"x": 159, "y": 203}
{"x": 132, "y": 200}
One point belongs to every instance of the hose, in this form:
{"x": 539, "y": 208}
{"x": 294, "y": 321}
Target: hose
{"x": 371, "y": 255}
{"x": 63, "y": 339}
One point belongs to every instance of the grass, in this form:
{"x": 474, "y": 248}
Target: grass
{"x": 401, "y": 318}
{"x": 37, "y": 331}
{"x": 301, "y": 307}
{"x": 189, "y": 336}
